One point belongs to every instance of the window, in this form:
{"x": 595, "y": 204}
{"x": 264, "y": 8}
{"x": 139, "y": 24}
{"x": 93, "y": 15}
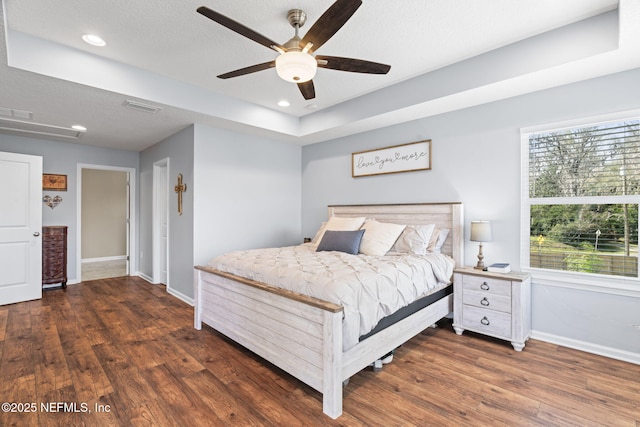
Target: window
{"x": 581, "y": 198}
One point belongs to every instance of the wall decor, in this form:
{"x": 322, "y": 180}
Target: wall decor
{"x": 53, "y": 182}
{"x": 414, "y": 156}
{"x": 180, "y": 188}
{"x": 52, "y": 202}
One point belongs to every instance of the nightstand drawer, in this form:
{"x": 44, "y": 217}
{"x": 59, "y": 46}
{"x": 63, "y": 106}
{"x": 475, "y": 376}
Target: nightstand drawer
{"x": 486, "y": 284}
{"x": 487, "y": 321}
{"x": 485, "y": 300}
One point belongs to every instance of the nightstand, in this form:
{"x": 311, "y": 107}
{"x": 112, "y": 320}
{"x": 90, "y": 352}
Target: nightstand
{"x": 494, "y": 304}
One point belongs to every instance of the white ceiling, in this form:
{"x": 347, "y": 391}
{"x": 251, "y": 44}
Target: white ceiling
{"x": 444, "y": 54}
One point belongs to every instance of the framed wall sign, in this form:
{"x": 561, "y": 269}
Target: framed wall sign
{"x": 415, "y": 156}
{"x": 54, "y": 182}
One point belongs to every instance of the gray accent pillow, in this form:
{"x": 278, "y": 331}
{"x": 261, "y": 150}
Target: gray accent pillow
{"x": 342, "y": 241}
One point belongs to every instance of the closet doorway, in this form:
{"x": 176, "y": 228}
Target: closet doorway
{"x": 105, "y": 228}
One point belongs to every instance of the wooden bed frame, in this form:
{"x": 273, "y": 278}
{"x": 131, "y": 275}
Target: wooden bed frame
{"x": 303, "y": 335}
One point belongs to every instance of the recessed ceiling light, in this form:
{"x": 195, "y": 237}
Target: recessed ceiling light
{"x": 94, "y": 40}
{"x": 284, "y": 103}
{"x": 79, "y": 128}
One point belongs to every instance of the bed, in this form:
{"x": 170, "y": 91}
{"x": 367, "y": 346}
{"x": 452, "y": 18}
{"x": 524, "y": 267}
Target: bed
{"x": 304, "y": 335}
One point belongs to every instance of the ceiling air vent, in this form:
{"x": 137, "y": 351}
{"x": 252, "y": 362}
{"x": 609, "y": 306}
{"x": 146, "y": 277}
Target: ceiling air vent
{"x": 21, "y": 127}
{"x": 15, "y": 113}
{"x": 139, "y": 106}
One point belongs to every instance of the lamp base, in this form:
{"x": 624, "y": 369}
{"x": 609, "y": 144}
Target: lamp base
{"x": 480, "y": 264}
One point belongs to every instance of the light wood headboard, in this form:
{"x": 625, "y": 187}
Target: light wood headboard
{"x": 444, "y": 215}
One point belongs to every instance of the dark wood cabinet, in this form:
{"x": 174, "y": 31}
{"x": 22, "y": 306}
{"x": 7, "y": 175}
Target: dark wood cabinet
{"x": 54, "y": 255}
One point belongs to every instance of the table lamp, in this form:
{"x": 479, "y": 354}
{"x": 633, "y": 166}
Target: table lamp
{"x": 480, "y": 232}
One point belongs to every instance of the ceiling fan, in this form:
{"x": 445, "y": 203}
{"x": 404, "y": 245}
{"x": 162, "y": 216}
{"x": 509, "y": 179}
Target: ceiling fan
{"x": 296, "y": 62}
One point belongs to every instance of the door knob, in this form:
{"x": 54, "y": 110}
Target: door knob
{"x": 36, "y": 233}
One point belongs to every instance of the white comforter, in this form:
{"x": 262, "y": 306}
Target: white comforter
{"x": 368, "y": 287}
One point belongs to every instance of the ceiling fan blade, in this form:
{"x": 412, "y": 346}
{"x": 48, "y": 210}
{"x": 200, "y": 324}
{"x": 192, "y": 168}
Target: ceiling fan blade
{"x": 238, "y": 28}
{"x": 330, "y": 22}
{"x": 307, "y": 89}
{"x": 352, "y": 65}
{"x": 248, "y": 70}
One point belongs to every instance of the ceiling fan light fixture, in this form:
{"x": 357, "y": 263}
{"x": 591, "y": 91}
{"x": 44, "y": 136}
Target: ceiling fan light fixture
{"x": 296, "y": 67}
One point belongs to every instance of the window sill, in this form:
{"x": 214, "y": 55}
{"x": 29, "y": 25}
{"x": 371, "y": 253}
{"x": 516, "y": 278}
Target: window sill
{"x": 625, "y": 286}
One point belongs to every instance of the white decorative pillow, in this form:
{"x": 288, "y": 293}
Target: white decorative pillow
{"x": 434, "y": 239}
{"x": 415, "y": 239}
{"x": 442, "y": 237}
{"x": 337, "y": 223}
{"x": 379, "y": 237}
{"x": 316, "y": 239}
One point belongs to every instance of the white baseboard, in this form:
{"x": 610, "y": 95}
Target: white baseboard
{"x": 181, "y": 296}
{"x": 106, "y": 258}
{"x": 613, "y": 353}
{"x": 58, "y": 285}
{"x": 170, "y": 291}
{"x": 145, "y": 277}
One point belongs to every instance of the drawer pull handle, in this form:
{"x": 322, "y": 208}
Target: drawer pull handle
{"x": 485, "y": 321}
{"x": 37, "y": 233}
{"x": 485, "y": 302}
{"x": 484, "y": 286}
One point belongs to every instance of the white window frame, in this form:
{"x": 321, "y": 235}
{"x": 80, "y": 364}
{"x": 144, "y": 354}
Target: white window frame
{"x": 629, "y": 286}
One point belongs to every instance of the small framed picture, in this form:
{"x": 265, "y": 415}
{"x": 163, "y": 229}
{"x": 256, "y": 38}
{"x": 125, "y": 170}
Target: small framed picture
{"x": 53, "y": 182}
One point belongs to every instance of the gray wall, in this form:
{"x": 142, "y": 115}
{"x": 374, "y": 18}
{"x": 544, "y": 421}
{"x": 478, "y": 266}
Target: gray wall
{"x": 243, "y": 192}
{"x": 179, "y": 149}
{"x": 248, "y": 193}
{"x": 63, "y": 158}
{"x": 476, "y": 160}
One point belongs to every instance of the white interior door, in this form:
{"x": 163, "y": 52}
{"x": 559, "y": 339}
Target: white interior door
{"x": 164, "y": 226}
{"x": 128, "y": 227}
{"x": 20, "y": 228}
{"x": 161, "y": 222}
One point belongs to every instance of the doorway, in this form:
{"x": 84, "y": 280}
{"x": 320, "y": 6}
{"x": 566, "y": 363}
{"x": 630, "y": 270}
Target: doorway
{"x": 105, "y": 228}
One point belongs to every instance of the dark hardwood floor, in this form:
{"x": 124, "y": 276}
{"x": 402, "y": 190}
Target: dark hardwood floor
{"x": 123, "y": 352}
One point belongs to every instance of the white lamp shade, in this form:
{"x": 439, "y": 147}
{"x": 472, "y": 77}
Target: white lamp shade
{"x": 296, "y": 67}
{"x": 480, "y": 231}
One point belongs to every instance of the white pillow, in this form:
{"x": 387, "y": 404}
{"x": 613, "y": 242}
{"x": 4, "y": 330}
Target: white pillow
{"x": 415, "y": 239}
{"x": 337, "y": 223}
{"x": 379, "y": 237}
{"x": 442, "y": 237}
{"x": 319, "y": 233}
